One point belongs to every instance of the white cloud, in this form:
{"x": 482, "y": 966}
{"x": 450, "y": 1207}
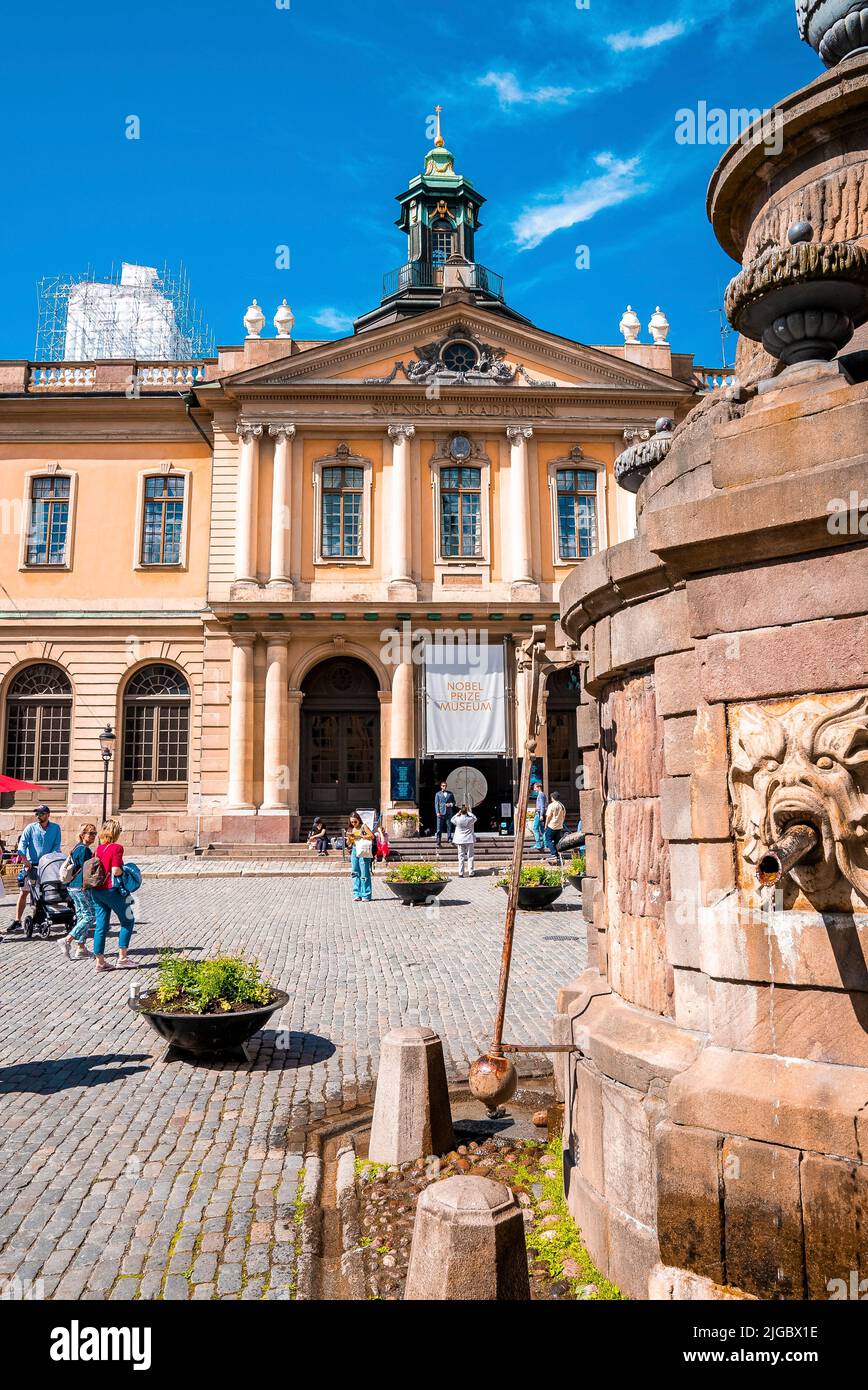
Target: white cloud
{"x": 510, "y": 92}
{"x": 620, "y": 180}
{"x": 333, "y": 321}
{"x": 649, "y": 38}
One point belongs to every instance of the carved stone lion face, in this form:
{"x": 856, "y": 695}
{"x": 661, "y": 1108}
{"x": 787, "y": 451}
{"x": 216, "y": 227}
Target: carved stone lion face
{"x": 809, "y": 764}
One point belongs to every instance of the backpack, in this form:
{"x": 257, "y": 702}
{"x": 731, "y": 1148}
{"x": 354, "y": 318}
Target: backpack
{"x": 68, "y": 869}
{"x": 131, "y": 878}
{"x": 93, "y": 874}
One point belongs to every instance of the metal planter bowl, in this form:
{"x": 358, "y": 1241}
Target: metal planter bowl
{"x": 534, "y": 899}
{"x": 414, "y": 894}
{"x": 209, "y": 1035}
{"x": 576, "y": 881}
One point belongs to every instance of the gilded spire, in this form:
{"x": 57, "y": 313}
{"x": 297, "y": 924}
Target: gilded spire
{"x": 439, "y": 142}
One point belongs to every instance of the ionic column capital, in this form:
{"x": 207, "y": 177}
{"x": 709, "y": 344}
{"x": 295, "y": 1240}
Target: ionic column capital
{"x": 247, "y": 432}
{"x": 402, "y": 432}
{"x": 516, "y": 433}
{"x": 281, "y": 431}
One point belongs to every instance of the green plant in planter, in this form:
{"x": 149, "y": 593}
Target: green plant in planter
{"x": 406, "y": 817}
{"x": 413, "y": 873}
{"x": 576, "y": 866}
{"x": 533, "y": 876}
{"x": 210, "y": 986}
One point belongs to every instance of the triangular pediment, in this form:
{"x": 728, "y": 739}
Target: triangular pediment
{"x": 411, "y": 353}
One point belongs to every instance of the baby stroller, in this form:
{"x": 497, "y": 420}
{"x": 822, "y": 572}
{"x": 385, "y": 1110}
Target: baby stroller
{"x": 50, "y": 904}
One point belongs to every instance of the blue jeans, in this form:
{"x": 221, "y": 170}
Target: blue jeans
{"x": 538, "y": 831}
{"x": 553, "y": 839}
{"x": 105, "y": 902}
{"x": 85, "y": 917}
{"x": 363, "y": 886}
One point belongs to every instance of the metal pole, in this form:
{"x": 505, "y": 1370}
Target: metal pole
{"x": 105, "y": 767}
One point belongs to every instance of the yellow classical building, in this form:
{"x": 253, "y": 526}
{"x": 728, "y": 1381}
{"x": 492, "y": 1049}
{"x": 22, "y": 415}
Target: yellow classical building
{"x": 292, "y": 578}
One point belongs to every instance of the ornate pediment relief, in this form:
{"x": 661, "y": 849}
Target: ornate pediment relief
{"x": 459, "y": 358}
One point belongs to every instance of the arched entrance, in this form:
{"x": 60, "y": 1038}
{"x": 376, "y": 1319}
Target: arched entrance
{"x": 340, "y": 739}
{"x": 564, "y": 689}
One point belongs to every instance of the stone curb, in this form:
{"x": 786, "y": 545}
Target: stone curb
{"x": 311, "y": 1228}
{"x": 352, "y": 1257}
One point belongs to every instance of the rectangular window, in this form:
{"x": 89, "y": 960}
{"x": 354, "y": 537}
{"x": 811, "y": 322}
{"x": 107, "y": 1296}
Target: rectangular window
{"x": 342, "y": 491}
{"x": 49, "y": 521}
{"x": 577, "y": 513}
{"x": 461, "y": 513}
{"x": 162, "y": 531}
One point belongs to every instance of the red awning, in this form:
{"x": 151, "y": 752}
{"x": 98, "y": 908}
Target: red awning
{"x": 12, "y": 784}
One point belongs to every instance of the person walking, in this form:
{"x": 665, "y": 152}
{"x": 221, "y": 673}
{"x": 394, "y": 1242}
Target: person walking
{"x": 109, "y": 895}
{"x": 539, "y": 819}
{"x": 42, "y": 836}
{"x": 361, "y": 842}
{"x": 465, "y": 839}
{"x": 555, "y": 817}
{"x": 444, "y": 810}
{"x": 74, "y": 945}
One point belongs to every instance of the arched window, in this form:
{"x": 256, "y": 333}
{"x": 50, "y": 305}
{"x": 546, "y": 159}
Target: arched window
{"x": 38, "y": 721}
{"x": 156, "y": 737}
{"x": 441, "y": 248}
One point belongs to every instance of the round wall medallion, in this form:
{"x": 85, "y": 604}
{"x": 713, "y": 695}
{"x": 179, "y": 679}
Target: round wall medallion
{"x": 460, "y": 447}
{"x": 467, "y": 785}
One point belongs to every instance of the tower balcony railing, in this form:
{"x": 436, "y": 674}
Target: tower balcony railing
{"x": 424, "y": 276}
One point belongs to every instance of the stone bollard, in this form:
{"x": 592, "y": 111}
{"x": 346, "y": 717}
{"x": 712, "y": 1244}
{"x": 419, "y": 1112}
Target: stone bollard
{"x": 468, "y": 1243}
{"x": 412, "y": 1115}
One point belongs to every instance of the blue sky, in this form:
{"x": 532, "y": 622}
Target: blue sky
{"x": 270, "y": 123}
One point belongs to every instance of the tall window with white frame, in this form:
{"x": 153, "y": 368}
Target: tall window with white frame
{"x": 342, "y": 494}
{"x": 163, "y": 520}
{"x": 461, "y": 513}
{"x": 49, "y": 521}
{"x": 577, "y": 513}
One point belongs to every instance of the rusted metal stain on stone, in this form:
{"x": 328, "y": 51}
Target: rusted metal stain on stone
{"x": 637, "y": 857}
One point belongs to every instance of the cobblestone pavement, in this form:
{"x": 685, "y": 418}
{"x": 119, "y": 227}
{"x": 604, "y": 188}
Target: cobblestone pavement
{"x": 124, "y": 1176}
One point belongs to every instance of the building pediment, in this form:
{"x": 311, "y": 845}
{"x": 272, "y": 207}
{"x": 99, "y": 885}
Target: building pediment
{"x": 460, "y": 347}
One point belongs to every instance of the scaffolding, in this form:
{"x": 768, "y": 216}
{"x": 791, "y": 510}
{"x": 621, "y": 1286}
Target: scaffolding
{"x": 137, "y": 312}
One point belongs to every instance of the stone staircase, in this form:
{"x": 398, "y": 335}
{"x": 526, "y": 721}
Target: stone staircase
{"x": 491, "y": 851}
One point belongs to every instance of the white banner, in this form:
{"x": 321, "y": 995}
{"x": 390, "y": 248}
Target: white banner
{"x": 465, "y": 700}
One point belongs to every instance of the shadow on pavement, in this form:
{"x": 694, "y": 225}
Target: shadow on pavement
{"x": 64, "y": 1073}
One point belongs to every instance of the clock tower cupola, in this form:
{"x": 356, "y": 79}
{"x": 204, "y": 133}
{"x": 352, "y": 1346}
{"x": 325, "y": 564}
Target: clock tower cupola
{"x": 440, "y": 217}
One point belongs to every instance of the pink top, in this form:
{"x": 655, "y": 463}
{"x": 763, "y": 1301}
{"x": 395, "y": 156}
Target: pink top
{"x": 111, "y": 857}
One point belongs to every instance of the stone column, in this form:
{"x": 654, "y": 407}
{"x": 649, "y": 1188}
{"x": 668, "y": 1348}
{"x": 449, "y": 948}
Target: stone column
{"x": 403, "y": 743}
{"x": 401, "y": 576}
{"x": 245, "y": 516}
{"x": 239, "y": 791}
{"x": 281, "y": 506}
{"x": 275, "y": 750}
{"x": 293, "y": 744}
{"x": 520, "y": 520}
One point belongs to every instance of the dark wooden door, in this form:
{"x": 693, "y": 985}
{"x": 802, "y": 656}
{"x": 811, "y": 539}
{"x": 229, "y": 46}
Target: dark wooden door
{"x": 562, "y": 738}
{"x": 340, "y": 735}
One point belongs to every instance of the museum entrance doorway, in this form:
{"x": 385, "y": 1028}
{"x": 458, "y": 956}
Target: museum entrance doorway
{"x": 340, "y": 740}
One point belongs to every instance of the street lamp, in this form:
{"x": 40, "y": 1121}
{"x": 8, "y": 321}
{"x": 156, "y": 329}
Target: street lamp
{"x": 106, "y": 748}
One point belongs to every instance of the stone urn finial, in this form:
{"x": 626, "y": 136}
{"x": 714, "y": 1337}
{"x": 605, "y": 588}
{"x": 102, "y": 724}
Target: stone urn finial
{"x": 283, "y": 320}
{"x": 802, "y": 301}
{"x": 636, "y": 462}
{"x": 658, "y": 326}
{"x": 630, "y": 325}
{"x": 254, "y": 320}
{"x": 836, "y": 29}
